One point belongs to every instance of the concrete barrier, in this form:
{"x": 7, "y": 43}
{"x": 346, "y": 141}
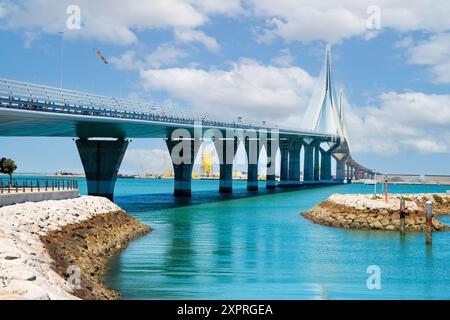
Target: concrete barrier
{"x": 7, "y": 199}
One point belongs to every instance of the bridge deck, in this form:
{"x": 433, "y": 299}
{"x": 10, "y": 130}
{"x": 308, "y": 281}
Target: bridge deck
{"x": 33, "y": 110}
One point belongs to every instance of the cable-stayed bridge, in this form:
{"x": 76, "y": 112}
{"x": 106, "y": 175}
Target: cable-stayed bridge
{"x": 35, "y": 110}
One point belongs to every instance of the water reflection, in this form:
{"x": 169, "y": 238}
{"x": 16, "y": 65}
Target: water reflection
{"x": 259, "y": 247}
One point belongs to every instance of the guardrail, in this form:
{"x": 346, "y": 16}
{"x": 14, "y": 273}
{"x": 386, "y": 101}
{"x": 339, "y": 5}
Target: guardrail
{"x": 16, "y": 94}
{"x": 36, "y": 185}
{"x": 33, "y": 97}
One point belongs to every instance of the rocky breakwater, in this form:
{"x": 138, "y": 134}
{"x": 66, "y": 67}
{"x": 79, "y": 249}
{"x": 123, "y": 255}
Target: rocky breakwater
{"x": 369, "y": 212}
{"x": 59, "y": 249}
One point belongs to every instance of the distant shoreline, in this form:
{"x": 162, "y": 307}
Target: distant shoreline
{"x": 439, "y": 180}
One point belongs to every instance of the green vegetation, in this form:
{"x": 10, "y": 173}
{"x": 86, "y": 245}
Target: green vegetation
{"x": 8, "y": 166}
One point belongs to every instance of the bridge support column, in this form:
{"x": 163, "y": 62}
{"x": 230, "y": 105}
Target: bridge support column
{"x": 349, "y": 173}
{"x": 229, "y": 148}
{"x": 317, "y": 162}
{"x": 340, "y": 169}
{"x": 294, "y": 162}
{"x": 270, "y": 166}
{"x": 284, "y": 165}
{"x": 252, "y": 151}
{"x": 183, "y": 162}
{"x": 325, "y": 163}
{"x": 101, "y": 160}
{"x": 308, "y": 164}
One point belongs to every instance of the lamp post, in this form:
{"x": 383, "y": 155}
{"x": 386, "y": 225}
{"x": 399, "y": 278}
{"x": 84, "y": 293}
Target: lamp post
{"x": 375, "y": 184}
{"x": 61, "y": 33}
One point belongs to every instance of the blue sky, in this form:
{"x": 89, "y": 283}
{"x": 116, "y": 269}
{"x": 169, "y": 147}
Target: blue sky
{"x": 258, "y": 59}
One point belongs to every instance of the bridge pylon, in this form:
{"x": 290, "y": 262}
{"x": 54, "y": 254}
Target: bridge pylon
{"x": 101, "y": 161}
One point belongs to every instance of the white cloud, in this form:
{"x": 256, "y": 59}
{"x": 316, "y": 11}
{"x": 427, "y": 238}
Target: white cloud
{"x": 112, "y": 20}
{"x": 293, "y": 20}
{"x": 127, "y": 61}
{"x": 284, "y": 59}
{"x": 405, "y": 42}
{"x": 435, "y": 54}
{"x": 143, "y": 161}
{"x": 302, "y": 25}
{"x": 247, "y": 89}
{"x": 402, "y": 122}
{"x": 427, "y": 145}
{"x": 308, "y": 20}
{"x": 165, "y": 54}
{"x": 189, "y": 35}
{"x": 398, "y": 122}
{"x": 229, "y": 7}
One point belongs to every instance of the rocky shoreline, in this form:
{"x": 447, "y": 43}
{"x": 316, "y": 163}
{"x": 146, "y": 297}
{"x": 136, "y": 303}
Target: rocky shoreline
{"x": 59, "y": 249}
{"x": 88, "y": 246}
{"x": 368, "y": 212}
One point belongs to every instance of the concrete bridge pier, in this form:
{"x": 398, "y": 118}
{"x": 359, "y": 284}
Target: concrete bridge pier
{"x": 349, "y": 173}
{"x": 317, "y": 161}
{"x": 270, "y": 166}
{"x": 229, "y": 148}
{"x": 183, "y": 162}
{"x": 284, "y": 163}
{"x": 101, "y": 160}
{"x": 325, "y": 163}
{"x": 340, "y": 170}
{"x": 308, "y": 164}
{"x": 252, "y": 151}
{"x": 294, "y": 162}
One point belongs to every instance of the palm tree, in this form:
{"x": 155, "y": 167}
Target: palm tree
{"x": 8, "y": 166}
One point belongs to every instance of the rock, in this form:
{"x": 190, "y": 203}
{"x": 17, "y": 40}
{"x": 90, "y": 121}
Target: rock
{"x": 368, "y": 212}
{"x": 377, "y": 225}
{"x": 11, "y": 255}
{"x": 438, "y": 199}
{"x": 20, "y": 273}
{"x": 36, "y": 293}
{"x": 26, "y": 268}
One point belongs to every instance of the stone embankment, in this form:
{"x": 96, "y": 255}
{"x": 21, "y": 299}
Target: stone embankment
{"x": 59, "y": 249}
{"x": 369, "y": 212}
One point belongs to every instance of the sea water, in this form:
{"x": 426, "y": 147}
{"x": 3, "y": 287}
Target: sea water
{"x": 255, "y": 245}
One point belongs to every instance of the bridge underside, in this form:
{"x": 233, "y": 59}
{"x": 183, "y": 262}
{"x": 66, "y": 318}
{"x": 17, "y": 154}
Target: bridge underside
{"x": 101, "y": 157}
{"x": 25, "y": 123}
{"x": 39, "y": 124}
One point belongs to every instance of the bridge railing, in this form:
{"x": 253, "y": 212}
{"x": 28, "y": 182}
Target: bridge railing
{"x": 36, "y": 185}
{"x": 22, "y": 95}
{"x": 25, "y": 96}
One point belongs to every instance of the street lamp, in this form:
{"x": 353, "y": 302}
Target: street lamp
{"x": 375, "y": 184}
{"x": 61, "y": 33}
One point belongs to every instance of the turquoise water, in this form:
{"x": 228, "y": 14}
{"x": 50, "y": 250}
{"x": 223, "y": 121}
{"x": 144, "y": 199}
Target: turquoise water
{"x": 256, "y": 246}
